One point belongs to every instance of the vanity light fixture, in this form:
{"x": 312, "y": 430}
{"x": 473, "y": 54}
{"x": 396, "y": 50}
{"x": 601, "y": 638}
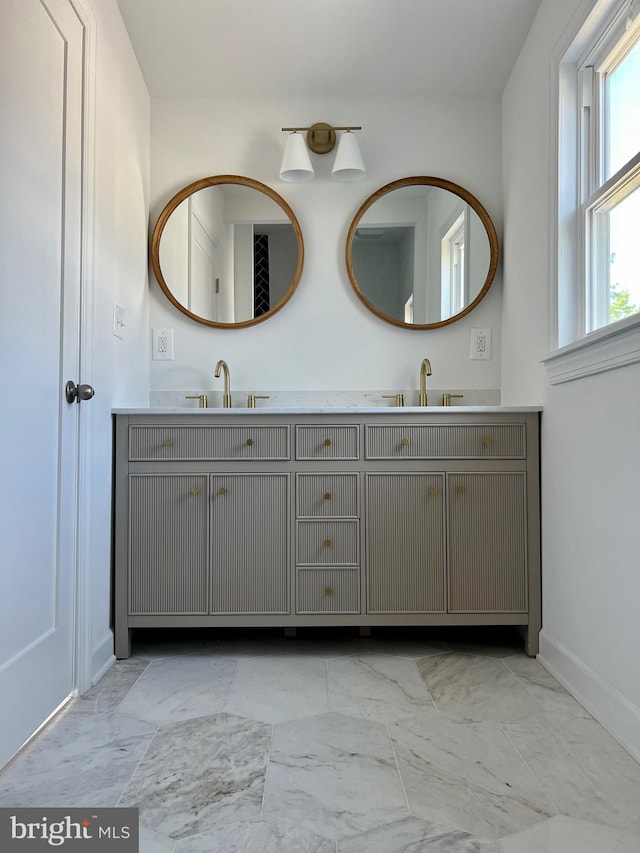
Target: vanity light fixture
{"x": 321, "y": 138}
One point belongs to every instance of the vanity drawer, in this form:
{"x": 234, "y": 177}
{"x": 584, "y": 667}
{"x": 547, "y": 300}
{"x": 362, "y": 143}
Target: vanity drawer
{"x": 463, "y": 441}
{"x": 328, "y": 591}
{"x": 327, "y": 543}
{"x": 255, "y": 443}
{"x": 327, "y": 495}
{"x": 328, "y": 442}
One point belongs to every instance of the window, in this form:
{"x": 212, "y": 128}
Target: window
{"x": 454, "y": 293}
{"x": 598, "y": 226}
{"x": 408, "y": 310}
{"x": 610, "y": 190}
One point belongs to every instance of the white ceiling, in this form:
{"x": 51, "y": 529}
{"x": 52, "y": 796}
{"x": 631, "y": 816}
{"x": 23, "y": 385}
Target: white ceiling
{"x": 203, "y": 48}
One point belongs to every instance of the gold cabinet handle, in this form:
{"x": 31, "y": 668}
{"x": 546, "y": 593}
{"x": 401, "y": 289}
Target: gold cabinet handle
{"x": 168, "y": 442}
{"x": 405, "y": 442}
{"x": 195, "y": 491}
{"x": 328, "y": 591}
{"x": 327, "y": 442}
{"x": 487, "y": 441}
{"x": 222, "y": 491}
{"x": 249, "y": 442}
{"x": 327, "y": 543}
{"x": 327, "y": 496}
{"x": 433, "y": 490}
{"x": 460, "y": 490}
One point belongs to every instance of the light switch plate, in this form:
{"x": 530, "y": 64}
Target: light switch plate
{"x": 118, "y": 321}
{"x": 480, "y": 344}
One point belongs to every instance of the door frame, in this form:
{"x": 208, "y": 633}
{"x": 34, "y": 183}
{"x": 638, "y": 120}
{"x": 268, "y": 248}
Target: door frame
{"x": 83, "y": 675}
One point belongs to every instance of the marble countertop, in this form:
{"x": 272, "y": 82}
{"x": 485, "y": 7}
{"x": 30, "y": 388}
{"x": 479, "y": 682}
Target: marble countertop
{"x": 328, "y": 410}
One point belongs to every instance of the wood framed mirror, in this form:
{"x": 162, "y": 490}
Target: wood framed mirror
{"x": 227, "y": 251}
{"x": 421, "y": 252}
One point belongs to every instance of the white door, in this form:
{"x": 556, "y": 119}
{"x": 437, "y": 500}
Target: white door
{"x": 41, "y": 73}
{"x": 203, "y": 270}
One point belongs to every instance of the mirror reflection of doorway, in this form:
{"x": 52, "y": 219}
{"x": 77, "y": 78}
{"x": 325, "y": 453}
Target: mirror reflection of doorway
{"x": 260, "y": 274}
{"x": 203, "y": 269}
{"x": 275, "y": 253}
{"x": 384, "y": 258}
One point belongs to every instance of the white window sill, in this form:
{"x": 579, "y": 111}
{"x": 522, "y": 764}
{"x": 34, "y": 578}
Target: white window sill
{"x": 605, "y": 349}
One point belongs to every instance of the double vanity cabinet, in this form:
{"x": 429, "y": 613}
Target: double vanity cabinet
{"x": 358, "y": 517}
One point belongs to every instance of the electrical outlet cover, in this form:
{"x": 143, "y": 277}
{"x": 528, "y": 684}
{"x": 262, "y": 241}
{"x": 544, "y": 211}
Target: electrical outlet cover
{"x": 480, "y": 344}
{"x": 162, "y": 349}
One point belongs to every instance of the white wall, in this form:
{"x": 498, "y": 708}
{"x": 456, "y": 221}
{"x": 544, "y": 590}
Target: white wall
{"x": 590, "y": 427}
{"x": 118, "y": 369}
{"x": 324, "y": 338}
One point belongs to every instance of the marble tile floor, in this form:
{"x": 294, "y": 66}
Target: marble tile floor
{"x": 408, "y": 741}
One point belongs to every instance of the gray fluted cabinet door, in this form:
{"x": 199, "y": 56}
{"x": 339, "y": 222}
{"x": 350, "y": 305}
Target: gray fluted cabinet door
{"x": 250, "y": 543}
{"x": 168, "y": 541}
{"x": 487, "y": 542}
{"x": 405, "y": 543}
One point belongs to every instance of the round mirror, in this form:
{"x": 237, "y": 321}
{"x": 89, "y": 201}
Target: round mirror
{"x": 421, "y": 252}
{"x": 227, "y": 251}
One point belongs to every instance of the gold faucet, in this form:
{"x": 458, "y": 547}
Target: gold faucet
{"x": 399, "y": 398}
{"x": 202, "y": 399}
{"x": 425, "y": 370}
{"x": 447, "y": 398}
{"x": 223, "y": 366}
{"x": 251, "y": 399}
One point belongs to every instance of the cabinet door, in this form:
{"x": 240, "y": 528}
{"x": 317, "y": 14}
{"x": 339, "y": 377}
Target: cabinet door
{"x": 250, "y": 563}
{"x": 168, "y": 526}
{"x": 405, "y": 543}
{"x": 487, "y": 542}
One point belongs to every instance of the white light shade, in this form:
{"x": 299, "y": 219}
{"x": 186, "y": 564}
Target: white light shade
{"x": 296, "y": 163}
{"x": 348, "y": 165}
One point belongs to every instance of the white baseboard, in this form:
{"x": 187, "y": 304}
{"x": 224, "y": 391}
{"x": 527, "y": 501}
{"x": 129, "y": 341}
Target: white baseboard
{"x": 102, "y": 656}
{"x": 619, "y": 716}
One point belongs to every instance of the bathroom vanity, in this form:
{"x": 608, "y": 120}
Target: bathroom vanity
{"x": 360, "y": 516}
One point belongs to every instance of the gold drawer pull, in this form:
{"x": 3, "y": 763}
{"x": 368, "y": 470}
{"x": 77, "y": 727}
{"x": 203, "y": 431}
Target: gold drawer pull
{"x": 168, "y": 442}
{"x": 433, "y": 490}
{"x": 222, "y": 491}
{"x": 487, "y": 441}
{"x": 405, "y": 442}
{"x": 327, "y": 442}
{"x": 327, "y": 543}
{"x": 327, "y": 496}
{"x": 195, "y": 491}
{"x": 249, "y": 442}
{"x": 328, "y": 591}
{"x": 460, "y": 490}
